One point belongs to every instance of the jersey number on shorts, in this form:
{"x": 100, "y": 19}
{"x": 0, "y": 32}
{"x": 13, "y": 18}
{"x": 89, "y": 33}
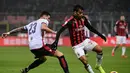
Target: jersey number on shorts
{"x": 32, "y": 28}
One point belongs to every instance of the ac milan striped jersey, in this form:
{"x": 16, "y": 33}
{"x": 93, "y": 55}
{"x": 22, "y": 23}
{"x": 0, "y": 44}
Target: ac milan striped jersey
{"x": 76, "y": 27}
{"x": 121, "y": 28}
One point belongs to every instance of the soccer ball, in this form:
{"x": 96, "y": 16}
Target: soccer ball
{"x": 113, "y": 72}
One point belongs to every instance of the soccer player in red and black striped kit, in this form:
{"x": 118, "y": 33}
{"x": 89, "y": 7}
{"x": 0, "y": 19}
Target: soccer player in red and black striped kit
{"x": 76, "y": 24}
{"x": 121, "y": 29}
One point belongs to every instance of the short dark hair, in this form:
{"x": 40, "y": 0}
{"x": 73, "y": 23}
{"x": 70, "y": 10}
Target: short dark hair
{"x": 44, "y": 13}
{"x": 77, "y": 7}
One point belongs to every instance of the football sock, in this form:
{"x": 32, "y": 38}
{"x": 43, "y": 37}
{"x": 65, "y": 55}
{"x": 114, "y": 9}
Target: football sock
{"x": 89, "y": 68}
{"x": 123, "y": 50}
{"x": 99, "y": 58}
{"x": 114, "y": 49}
{"x": 36, "y": 63}
{"x": 63, "y": 64}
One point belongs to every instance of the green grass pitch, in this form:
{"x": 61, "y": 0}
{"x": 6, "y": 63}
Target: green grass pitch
{"x": 12, "y": 59}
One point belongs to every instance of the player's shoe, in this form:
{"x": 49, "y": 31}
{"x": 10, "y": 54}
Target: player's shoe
{"x": 124, "y": 56}
{"x": 112, "y": 54}
{"x": 24, "y": 70}
{"x": 100, "y": 69}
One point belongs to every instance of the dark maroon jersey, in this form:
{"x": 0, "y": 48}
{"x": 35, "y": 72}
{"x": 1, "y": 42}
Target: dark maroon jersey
{"x": 76, "y": 29}
{"x": 121, "y": 28}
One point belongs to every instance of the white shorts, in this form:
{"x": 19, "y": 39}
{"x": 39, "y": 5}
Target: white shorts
{"x": 120, "y": 39}
{"x": 87, "y": 45}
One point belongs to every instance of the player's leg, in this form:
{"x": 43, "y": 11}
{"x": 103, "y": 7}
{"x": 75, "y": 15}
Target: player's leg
{"x": 123, "y": 51}
{"x": 114, "y": 49}
{"x": 118, "y": 42}
{"x": 86, "y": 53}
{"x": 62, "y": 61}
{"x": 39, "y": 60}
{"x": 99, "y": 58}
{"x": 123, "y": 47}
{"x": 84, "y": 60}
{"x": 52, "y": 52}
{"x": 35, "y": 64}
{"x": 93, "y": 46}
{"x": 78, "y": 49}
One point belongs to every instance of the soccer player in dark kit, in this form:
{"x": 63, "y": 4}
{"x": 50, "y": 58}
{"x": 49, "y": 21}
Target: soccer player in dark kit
{"x": 76, "y": 25}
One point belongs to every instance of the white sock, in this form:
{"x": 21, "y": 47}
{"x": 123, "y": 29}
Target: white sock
{"x": 99, "y": 59}
{"x": 123, "y": 50}
{"x": 113, "y": 50}
{"x": 89, "y": 69}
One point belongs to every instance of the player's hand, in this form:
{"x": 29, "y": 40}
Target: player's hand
{"x": 104, "y": 38}
{"x": 4, "y": 35}
{"x": 55, "y": 32}
{"x": 127, "y": 36}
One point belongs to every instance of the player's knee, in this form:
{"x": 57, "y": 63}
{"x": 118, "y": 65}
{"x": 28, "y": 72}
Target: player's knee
{"x": 101, "y": 53}
{"x": 84, "y": 60}
{"x": 42, "y": 59}
{"x": 117, "y": 45}
{"x": 123, "y": 44}
{"x": 97, "y": 49}
{"x": 58, "y": 53}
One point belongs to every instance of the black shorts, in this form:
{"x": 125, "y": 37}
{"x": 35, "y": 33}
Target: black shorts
{"x": 43, "y": 51}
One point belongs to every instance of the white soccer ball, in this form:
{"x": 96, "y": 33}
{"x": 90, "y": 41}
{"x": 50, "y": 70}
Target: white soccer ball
{"x": 113, "y": 72}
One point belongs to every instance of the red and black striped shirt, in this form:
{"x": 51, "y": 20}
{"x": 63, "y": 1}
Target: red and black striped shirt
{"x": 121, "y": 28}
{"x": 76, "y": 29}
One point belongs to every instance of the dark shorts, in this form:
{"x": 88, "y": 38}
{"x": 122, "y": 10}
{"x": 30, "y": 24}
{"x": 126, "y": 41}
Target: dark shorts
{"x": 43, "y": 51}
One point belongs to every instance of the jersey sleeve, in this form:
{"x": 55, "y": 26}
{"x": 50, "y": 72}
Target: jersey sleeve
{"x": 25, "y": 27}
{"x": 87, "y": 22}
{"x": 67, "y": 21}
{"x": 117, "y": 22}
{"x": 65, "y": 24}
{"x": 44, "y": 21}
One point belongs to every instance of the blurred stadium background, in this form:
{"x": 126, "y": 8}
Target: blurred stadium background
{"x": 102, "y": 13}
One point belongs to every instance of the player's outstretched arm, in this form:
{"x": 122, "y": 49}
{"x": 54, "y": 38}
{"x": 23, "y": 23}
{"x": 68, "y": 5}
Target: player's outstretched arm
{"x": 58, "y": 36}
{"x": 59, "y": 32}
{"x": 88, "y": 25}
{"x": 4, "y": 35}
{"x": 45, "y": 27}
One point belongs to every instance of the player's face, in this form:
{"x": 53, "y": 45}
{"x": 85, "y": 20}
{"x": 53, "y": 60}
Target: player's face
{"x": 79, "y": 13}
{"x": 47, "y": 17}
{"x": 122, "y": 18}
